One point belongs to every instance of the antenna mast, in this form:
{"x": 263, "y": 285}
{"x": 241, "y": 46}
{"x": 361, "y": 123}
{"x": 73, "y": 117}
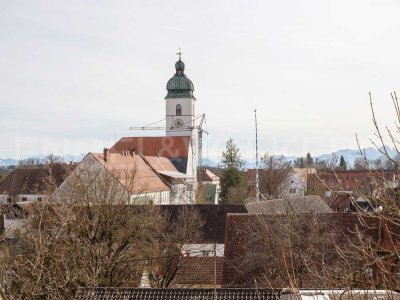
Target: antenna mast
{"x": 257, "y": 179}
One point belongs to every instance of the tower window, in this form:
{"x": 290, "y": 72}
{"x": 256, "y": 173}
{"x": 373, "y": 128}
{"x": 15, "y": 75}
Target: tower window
{"x": 178, "y": 110}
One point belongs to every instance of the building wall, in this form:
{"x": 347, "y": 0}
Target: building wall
{"x": 4, "y": 198}
{"x": 187, "y": 116}
{"x": 183, "y": 193}
{"x": 215, "y": 183}
{"x": 157, "y": 198}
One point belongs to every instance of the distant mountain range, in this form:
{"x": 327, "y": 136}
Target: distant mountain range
{"x": 66, "y": 158}
{"x": 350, "y": 155}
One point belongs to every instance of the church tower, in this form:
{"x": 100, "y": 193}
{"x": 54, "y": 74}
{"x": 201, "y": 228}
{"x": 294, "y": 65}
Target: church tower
{"x": 179, "y": 103}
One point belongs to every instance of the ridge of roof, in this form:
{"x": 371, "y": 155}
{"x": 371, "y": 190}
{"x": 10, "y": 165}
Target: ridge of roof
{"x": 162, "y": 146}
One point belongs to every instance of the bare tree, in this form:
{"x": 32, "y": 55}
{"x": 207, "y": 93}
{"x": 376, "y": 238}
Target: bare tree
{"x": 293, "y": 250}
{"x": 165, "y": 256}
{"x": 88, "y": 236}
{"x": 275, "y": 176}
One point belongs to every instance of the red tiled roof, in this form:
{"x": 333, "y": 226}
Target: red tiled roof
{"x": 164, "y": 146}
{"x": 132, "y": 172}
{"x": 207, "y": 175}
{"x": 200, "y": 271}
{"x": 348, "y": 180}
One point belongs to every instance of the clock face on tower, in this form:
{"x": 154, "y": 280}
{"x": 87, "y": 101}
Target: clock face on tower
{"x": 178, "y": 123}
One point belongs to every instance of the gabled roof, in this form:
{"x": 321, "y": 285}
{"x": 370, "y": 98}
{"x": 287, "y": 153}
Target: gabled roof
{"x": 132, "y": 172}
{"x": 176, "y": 294}
{"x": 207, "y": 175}
{"x": 162, "y": 146}
{"x": 294, "y": 205}
{"x": 34, "y": 179}
{"x": 341, "y": 202}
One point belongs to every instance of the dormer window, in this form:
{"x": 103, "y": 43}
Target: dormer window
{"x": 178, "y": 110}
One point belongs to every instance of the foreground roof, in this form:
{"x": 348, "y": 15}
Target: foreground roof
{"x": 176, "y": 294}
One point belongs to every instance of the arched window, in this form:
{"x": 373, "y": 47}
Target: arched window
{"x": 178, "y": 110}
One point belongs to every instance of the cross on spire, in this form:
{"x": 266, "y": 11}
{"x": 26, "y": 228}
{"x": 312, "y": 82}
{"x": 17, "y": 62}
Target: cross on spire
{"x": 179, "y": 53}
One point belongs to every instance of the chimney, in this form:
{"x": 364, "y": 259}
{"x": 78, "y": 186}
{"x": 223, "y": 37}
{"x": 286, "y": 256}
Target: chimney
{"x": 106, "y": 154}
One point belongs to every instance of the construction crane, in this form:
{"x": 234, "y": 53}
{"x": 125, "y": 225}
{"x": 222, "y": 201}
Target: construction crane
{"x": 200, "y": 131}
{"x": 192, "y": 127}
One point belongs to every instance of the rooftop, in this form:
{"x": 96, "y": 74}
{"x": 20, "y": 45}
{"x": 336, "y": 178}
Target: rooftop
{"x": 132, "y": 172}
{"x": 35, "y": 179}
{"x": 294, "y": 205}
{"x": 180, "y": 86}
{"x": 176, "y": 294}
{"x": 163, "y": 146}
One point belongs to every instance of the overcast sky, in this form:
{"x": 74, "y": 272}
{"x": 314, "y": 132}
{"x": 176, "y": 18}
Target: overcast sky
{"x": 73, "y": 74}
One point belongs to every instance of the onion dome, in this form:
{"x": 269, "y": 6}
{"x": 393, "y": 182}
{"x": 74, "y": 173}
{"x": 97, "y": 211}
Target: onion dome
{"x": 180, "y": 86}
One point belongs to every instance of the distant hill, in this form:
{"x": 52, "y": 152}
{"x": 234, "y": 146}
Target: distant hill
{"x": 8, "y": 162}
{"x": 350, "y": 155}
{"x": 65, "y": 158}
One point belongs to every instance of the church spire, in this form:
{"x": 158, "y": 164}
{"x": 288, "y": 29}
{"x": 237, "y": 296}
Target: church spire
{"x": 179, "y": 65}
{"x": 180, "y": 86}
{"x": 179, "y": 53}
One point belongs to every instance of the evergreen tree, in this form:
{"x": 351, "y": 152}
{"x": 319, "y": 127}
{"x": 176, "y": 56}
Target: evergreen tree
{"x": 309, "y": 160}
{"x": 299, "y": 162}
{"x": 232, "y": 175}
{"x": 231, "y": 157}
{"x": 342, "y": 163}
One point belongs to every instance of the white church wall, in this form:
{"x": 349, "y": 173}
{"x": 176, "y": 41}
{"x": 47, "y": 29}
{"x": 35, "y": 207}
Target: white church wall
{"x": 187, "y": 106}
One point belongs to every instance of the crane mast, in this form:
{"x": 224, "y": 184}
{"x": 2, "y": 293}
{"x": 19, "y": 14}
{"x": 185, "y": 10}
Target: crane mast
{"x": 199, "y": 129}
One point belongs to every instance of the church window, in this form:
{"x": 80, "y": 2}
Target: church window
{"x": 178, "y": 110}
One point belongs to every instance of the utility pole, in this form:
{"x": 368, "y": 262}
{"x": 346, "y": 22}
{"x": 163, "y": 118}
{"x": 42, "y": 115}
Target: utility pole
{"x": 257, "y": 179}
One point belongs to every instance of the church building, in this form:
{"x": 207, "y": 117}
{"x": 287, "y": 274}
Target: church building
{"x": 180, "y": 142}
{"x": 164, "y": 168}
